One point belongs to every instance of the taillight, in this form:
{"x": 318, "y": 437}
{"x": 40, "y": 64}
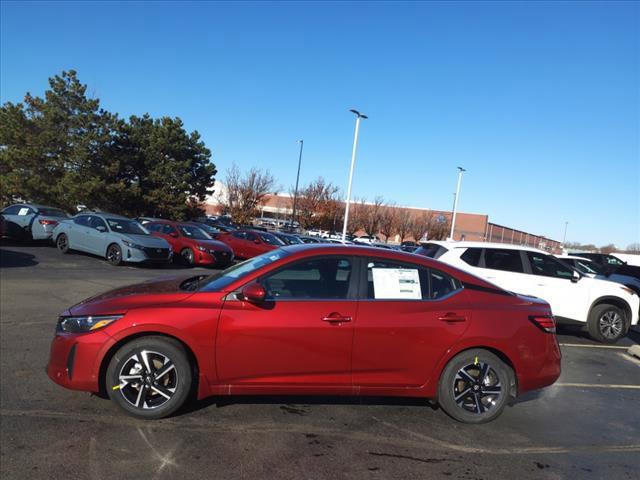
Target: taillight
{"x": 545, "y": 323}
{"x": 47, "y": 222}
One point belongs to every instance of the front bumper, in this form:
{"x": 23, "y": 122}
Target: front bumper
{"x": 159, "y": 256}
{"x": 74, "y": 360}
{"x": 213, "y": 257}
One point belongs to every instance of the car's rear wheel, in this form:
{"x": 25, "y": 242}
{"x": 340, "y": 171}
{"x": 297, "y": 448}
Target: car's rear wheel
{"x": 475, "y": 386}
{"x": 62, "y": 242}
{"x": 114, "y": 254}
{"x": 607, "y": 323}
{"x": 187, "y": 256}
{"x": 150, "y": 377}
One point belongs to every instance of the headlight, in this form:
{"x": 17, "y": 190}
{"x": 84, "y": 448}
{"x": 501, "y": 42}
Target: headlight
{"x": 85, "y": 324}
{"x": 201, "y": 248}
{"x": 132, "y": 245}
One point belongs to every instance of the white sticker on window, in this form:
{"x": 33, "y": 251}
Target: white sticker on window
{"x": 23, "y": 211}
{"x": 396, "y": 283}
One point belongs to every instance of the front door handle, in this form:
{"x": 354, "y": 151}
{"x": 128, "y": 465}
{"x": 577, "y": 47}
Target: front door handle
{"x": 336, "y": 319}
{"x": 452, "y": 317}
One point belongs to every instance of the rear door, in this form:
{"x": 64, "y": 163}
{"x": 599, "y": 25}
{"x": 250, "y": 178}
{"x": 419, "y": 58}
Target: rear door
{"x": 408, "y": 316}
{"x": 553, "y": 282}
{"x": 300, "y": 337}
{"x": 78, "y": 231}
{"x": 505, "y": 268}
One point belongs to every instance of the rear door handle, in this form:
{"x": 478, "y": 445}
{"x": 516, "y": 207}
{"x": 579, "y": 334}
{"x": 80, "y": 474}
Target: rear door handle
{"x": 452, "y": 318}
{"x": 336, "y": 318}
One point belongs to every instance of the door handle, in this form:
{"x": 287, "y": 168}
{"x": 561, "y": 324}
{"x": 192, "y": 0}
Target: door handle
{"x": 452, "y": 318}
{"x": 336, "y": 318}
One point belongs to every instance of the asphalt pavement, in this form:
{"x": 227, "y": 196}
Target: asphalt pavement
{"x": 585, "y": 426}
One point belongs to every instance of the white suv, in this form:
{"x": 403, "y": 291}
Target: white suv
{"x": 607, "y": 309}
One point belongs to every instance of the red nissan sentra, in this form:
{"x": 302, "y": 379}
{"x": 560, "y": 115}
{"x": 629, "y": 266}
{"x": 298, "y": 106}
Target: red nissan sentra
{"x": 250, "y": 243}
{"x": 193, "y": 245}
{"x": 314, "y": 320}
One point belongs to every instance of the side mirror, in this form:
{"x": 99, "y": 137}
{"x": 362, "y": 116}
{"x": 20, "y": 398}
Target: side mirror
{"x": 101, "y": 228}
{"x": 576, "y": 277}
{"x": 254, "y": 293}
{"x": 256, "y": 241}
{"x": 173, "y": 234}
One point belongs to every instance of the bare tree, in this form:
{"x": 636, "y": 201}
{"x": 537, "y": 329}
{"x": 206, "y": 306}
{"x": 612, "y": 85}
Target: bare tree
{"x": 357, "y": 212}
{"x": 405, "y": 220}
{"x": 608, "y": 248}
{"x": 245, "y": 192}
{"x": 389, "y": 217}
{"x": 418, "y": 225}
{"x": 633, "y": 248}
{"x": 437, "y": 226}
{"x": 317, "y": 204}
{"x": 373, "y": 212}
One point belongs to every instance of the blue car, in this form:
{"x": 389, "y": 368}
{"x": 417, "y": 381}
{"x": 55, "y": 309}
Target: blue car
{"x": 116, "y": 238}
{"x": 28, "y": 221}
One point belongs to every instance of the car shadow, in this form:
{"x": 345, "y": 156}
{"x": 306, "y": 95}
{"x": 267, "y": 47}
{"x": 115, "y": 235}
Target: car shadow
{"x": 13, "y": 259}
{"x": 298, "y": 404}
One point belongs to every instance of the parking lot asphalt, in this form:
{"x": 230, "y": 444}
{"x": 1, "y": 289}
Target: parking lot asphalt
{"x": 585, "y": 426}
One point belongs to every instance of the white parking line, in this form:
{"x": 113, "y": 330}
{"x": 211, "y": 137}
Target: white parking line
{"x": 598, "y": 385}
{"x": 579, "y": 345}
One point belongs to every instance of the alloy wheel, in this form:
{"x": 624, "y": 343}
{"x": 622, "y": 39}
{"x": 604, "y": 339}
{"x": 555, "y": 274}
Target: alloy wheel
{"x": 62, "y": 243}
{"x": 611, "y": 324}
{"x": 147, "y": 379}
{"x": 114, "y": 255}
{"x": 477, "y": 388}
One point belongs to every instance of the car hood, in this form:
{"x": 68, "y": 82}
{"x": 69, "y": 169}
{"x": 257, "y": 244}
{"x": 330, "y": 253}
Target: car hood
{"x": 155, "y": 292}
{"x": 145, "y": 240}
{"x": 213, "y": 245}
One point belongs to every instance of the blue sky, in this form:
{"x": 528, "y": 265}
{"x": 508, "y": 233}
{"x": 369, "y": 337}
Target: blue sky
{"x": 539, "y": 101}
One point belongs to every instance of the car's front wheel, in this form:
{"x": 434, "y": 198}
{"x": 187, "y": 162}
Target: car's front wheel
{"x": 187, "y": 256}
{"x": 150, "y": 377}
{"x": 62, "y": 242}
{"x": 114, "y": 254}
{"x": 475, "y": 386}
{"x": 607, "y": 323}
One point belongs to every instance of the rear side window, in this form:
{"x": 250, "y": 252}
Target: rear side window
{"x": 442, "y": 284}
{"x": 472, "y": 256}
{"x": 548, "y": 266}
{"x": 82, "y": 220}
{"x": 506, "y": 260}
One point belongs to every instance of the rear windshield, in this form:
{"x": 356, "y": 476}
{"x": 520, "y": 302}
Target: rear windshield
{"x": 52, "y": 212}
{"x": 124, "y": 225}
{"x": 431, "y": 250}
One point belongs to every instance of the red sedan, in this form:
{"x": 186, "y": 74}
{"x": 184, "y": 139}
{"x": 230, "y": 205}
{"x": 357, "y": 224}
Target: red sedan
{"x": 316, "y": 320}
{"x": 193, "y": 244}
{"x": 249, "y": 243}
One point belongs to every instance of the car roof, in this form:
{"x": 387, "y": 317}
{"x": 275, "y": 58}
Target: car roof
{"x": 464, "y": 244}
{"x": 104, "y": 214}
{"x": 574, "y": 257}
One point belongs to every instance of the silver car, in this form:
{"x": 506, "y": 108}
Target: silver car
{"x": 116, "y": 238}
{"x": 27, "y": 221}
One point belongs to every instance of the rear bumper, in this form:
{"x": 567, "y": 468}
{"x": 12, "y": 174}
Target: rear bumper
{"x": 545, "y": 373}
{"x": 74, "y": 360}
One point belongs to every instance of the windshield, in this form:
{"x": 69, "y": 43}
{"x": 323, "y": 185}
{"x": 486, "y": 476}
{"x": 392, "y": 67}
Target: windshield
{"x": 124, "y": 225}
{"x": 193, "y": 232}
{"x": 52, "y": 212}
{"x": 585, "y": 266}
{"x": 231, "y": 274}
{"x": 271, "y": 239}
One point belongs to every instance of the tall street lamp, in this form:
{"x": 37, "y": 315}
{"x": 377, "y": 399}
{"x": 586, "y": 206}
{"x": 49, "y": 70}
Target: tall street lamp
{"x": 353, "y": 161}
{"x": 455, "y": 202}
{"x": 295, "y": 194}
{"x": 564, "y": 238}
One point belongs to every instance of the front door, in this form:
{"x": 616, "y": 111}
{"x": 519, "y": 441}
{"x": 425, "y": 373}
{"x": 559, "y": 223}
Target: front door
{"x": 300, "y": 337}
{"x": 409, "y": 316}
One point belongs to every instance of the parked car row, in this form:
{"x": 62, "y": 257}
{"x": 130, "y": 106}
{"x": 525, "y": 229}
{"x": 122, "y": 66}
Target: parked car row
{"x": 606, "y": 308}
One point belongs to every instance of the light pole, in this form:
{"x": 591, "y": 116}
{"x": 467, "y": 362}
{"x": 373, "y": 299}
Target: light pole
{"x": 295, "y": 194}
{"x": 353, "y": 161}
{"x": 455, "y": 201}
{"x": 564, "y": 238}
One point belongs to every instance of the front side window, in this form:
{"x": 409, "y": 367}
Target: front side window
{"x": 168, "y": 229}
{"x": 240, "y": 235}
{"x": 270, "y": 239}
{"x": 503, "y": 259}
{"x": 95, "y": 222}
{"x": 154, "y": 227}
{"x": 585, "y": 266}
{"x": 611, "y": 260}
{"x": 319, "y": 278}
{"x": 12, "y": 210}
{"x": 547, "y": 266}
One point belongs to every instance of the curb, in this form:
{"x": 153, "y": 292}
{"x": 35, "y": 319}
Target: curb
{"x": 634, "y": 351}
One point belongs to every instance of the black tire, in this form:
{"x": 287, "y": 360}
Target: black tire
{"x": 187, "y": 256}
{"x": 114, "y": 254}
{"x": 62, "y": 242}
{"x": 146, "y": 397}
{"x": 484, "y": 400}
{"x": 607, "y": 323}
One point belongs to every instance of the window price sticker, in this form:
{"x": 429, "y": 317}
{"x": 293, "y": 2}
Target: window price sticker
{"x": 396, "y": 283}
